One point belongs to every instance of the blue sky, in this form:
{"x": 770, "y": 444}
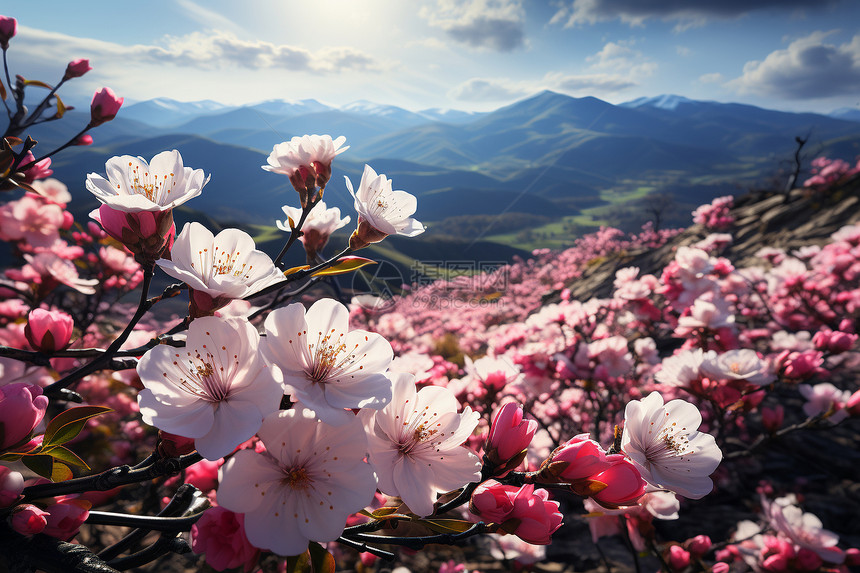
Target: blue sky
{"x": 798, "y": 55}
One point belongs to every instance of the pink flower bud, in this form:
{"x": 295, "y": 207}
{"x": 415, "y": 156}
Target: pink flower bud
{"x": 852, "y": 557}
{"x": 852, "y": 406}
{"x": 678, "y": 558}
{"x": 28, "y": 519}
{"x": 66, "y": 516}
{"x": 720, "y": 568}
{"x": 104, "y": 106}
{"x": 220, "y": 534}
{"x": 8, "y": 29}
{"x": 808, "y": 559}
{"x": 771, "y": 418}
{"x": 203, "y": 475}
{"x": 22, "y": 408}
{"x": 77, "y": 68}
{"x": 48, "y": 330}
{"x": 85, "y": 139}
{"x": 775, "y": 563}
{"x": 147, "y": 234}
{"x": 537, "y": 516}
{"x": 367, "y": 559}
{"x": 492, "y": 501}
{"x": 11, "y": 486}
{"x": 699, "y": 545}
{"x": 841, "y": 342}
{"x": 584, "y": 457}
{"x": 509, "y": 434}
{"x": 624, "y": 484}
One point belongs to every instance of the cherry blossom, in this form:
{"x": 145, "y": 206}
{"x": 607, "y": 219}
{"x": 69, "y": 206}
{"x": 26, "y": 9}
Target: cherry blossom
{"x": 804, "y": 529}
{"x": 306, "y": 160}
{"x": 319, "y": 224}
{"x": 311, "y": 477}
{"x": 324, "y": 364}
{"x": 381, "y": 210}
{"x": 216, "y": 390}
{"x": 414, "y": 444}
{"x": 742, "y": 364}
{"x": 664, "y": 444}
{"x": 133, "y": 185}
{"x": 219, "y": 268}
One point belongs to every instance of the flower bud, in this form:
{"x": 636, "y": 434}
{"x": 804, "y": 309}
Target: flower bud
{"x": 624, "y": 484}
{"x": 77, "y": 68}
{"x": 8, "y": 29}
{"x": 85, "y": 139}
{"x": 28, "y": 519}
{"x": 509, "y": 437}
{"x": 147, "y": 234}
{"x": 104, "y": 106}
{"x": 66, "y": 516}
{"x": 220, "y": 534}
{"x": 720, "y": 568}
{"x": 22, "y": 408}
{"x": 852, "y": 557}
{"x": 771, "y": 418}
{"x": 699, "y": 545}
{"x": 492, "y": 501}
{"x": 48, "y": 330}
{"x": 678, "y": 558}
{"x": 365, "y": 234}
{"x": 11, "y": 486}
{"x": 808, "y": 559}
{"x": 578, "y": 458}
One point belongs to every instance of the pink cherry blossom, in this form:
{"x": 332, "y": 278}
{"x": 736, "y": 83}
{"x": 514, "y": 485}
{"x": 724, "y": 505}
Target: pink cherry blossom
{"x": 664, "y": 444}
{"x": 216, "y": 390}
{"x": 324, "y": 364}
{"x": 76, "y": 69}
{"x": 306, "y": 160}
{"x": 32, "y": 220}
{"x": 11, "y": 486}
{"x": 311, "y": 477}
{"x": 320, "y": 223}
{"x": 8, "y": 29}
{"x": 220, "y": 535}
{"x": 415, "y": 442}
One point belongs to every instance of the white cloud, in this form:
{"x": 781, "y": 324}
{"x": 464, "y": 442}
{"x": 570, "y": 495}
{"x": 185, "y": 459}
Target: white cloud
{"x": 808, "y": 69}
{"x": 209, "y": 50}
{"x": 687, "y": 13}
{"x": 505, "y": 89}
{"x": 683, "y": 51}
{"x": 589, "y": 84}
{"x": 497, "y": 25}
{"x": 621, "y": 58}
{"x": 712, "y": 78}
{"x": 482, "y": 89}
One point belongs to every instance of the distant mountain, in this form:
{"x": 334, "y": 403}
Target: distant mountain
{"x": 290, "y": 108}
{"x": 165, "y": 112}
{"x": 667, "y": 101}
{"x": 847, "y": 113}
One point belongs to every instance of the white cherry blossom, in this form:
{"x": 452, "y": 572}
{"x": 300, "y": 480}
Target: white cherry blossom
{"x": 216, "y": 390}
{"x": 664, "y": 444}
{"x": 326, "y": 366}
{"x": 739, "y": 364}
{"x": 381, "y": 210}
{"x": 303, "y": 487}
{"x": 134, "y": 185}
{"x": 227, "y": 265}
{"x": 415, "y": 443}
{"x": 304, "y": 150}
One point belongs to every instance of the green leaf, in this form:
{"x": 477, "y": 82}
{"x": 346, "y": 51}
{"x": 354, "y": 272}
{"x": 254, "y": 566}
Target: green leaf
{"x": 293, "y": 270}
{"x": 41, "y": 464}
{"x": 37, "y": 83}
{"x": 447, "y": 525}
{"x": 61, "y": 107}
{"x": 66, "y": 455}
{"x": 60, "y": 472}
{"x": 67, "y": 425}
{"x": 321, "y": 560}
{"x": 299, "y": 563}
{"x": 345, "y": 265}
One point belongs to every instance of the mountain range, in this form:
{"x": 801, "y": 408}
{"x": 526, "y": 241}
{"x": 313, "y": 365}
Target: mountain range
{"x": 572, "y": 162}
